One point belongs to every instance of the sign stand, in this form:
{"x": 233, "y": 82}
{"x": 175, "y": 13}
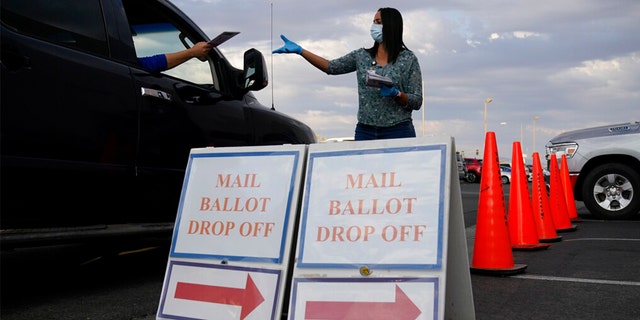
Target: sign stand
{"x": 381, "y": 233}
{"x": 460, "y": 304}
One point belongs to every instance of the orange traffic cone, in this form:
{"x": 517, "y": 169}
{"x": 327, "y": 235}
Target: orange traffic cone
{"x": 568, "y": 190}
{"x": 556, "y": 198}
{"x": 492, "y": 253}
{"x": 522, "y": 227}
{"x": 540, "y": 205}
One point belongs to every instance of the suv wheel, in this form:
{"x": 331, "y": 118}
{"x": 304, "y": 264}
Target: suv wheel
{"x": 611, "y": 191}
{"x": 472, "y": 177}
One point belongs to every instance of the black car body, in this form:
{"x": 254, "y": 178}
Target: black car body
{"x": 90, "y": 140}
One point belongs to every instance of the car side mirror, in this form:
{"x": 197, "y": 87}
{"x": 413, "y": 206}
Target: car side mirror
{"x": 255, "y": 75}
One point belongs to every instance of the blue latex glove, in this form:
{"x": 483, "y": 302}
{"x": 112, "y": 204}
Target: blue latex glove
{"x": 387, "y": 91}
{"x": 289, "y": 46}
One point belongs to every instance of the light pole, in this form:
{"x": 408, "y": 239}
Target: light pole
{"x": 534, "y": 134}
{"x": 486, "y": 101}
{"x": 521, "y": 133}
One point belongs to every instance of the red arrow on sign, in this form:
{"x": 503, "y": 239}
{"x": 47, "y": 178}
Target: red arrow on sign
{"x": 402, "y": 308}
{"x": 248, "y": 298}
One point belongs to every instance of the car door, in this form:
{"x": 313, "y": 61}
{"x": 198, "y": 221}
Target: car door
{"x": 181, "y": 108}
{"x": 69, "y": 116}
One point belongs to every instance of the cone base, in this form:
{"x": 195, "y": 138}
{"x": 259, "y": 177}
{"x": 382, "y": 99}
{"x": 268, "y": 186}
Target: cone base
{"x": 547, "y": 240}
{"x": 529, "y": 247}
{"x": 570, "y": 229}
{"x": 516, "y": 269}
{"x": 576, "y": 219}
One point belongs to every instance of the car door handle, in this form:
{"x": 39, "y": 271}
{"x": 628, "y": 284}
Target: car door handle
{"x": 146, "y": 92}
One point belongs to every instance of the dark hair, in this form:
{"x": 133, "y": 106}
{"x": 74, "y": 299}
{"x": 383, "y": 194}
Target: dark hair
{"x": 391, "y": 34}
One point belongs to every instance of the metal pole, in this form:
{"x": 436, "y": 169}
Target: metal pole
{"x": 534, "y": 134}
{"x": 486, "y": 101}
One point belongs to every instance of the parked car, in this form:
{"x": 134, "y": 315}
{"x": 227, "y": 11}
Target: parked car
{"x": 90, "y": 140}
{"x": 604, "y": 167}
{"x": 339, "y": 139}
{"x": 504, "y": 163}
{"x": 474, "y": 169}
{"x": 528, "y": 170}
{"x": 462, "y": 169}
{"x": 505, "y": 174}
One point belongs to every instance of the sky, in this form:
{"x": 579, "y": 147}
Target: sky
{"x": 549, "y": 66}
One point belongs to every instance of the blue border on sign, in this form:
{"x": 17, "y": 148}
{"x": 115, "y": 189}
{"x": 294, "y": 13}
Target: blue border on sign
{"x": 279, "y": 259}
{"x": 172, "y": 263}
{"x": 304, "y": 213}
{"x": 296, "y": 281}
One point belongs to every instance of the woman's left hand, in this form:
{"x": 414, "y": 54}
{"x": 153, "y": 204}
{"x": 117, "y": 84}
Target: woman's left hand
{"x": 387, "y": 91}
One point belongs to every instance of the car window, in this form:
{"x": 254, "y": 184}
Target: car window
{"x": 160, "y": 35}
{"x": 72, "y": 23}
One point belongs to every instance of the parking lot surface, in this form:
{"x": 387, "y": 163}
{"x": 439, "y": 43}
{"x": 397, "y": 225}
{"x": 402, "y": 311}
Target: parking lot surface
{"x": 591, "y": 274}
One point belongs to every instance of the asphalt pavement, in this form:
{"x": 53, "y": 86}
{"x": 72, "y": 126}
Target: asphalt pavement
{"x": 591, "y": 274}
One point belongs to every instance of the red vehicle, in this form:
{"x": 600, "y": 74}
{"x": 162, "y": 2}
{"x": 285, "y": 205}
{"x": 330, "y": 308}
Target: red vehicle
{"x": 474, "y": 169}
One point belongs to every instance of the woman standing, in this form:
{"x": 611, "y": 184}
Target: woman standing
{"x": 384, "y": 112}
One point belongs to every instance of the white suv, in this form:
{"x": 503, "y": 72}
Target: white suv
{"x": 604, "y": 166}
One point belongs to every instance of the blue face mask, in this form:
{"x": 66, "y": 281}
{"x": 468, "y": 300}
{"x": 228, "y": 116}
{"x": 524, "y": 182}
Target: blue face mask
{"x": 376, "y": 32}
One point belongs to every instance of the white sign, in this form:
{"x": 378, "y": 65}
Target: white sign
{"x": 235, "y": 205}
{"x": 342, "y": 298}
{"x": 382, "y": 233}
{"x": 234, "y": 233}
{"x": 205, "y": 291}
{"x": 379, "y": 206}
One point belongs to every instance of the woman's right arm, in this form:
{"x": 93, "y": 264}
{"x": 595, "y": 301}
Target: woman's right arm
{"x": 316, "y": 60}
{"x": 292, "y": 47}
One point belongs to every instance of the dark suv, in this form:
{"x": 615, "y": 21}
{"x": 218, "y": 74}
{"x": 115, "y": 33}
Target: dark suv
{"x": 474, "y": 169}
{"x": 90, "y": 140}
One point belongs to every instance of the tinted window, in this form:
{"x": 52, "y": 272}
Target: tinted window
{"x": 73, "y": 23}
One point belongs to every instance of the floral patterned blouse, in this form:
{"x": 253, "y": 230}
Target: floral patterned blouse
{"x": 375, "y": 110}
